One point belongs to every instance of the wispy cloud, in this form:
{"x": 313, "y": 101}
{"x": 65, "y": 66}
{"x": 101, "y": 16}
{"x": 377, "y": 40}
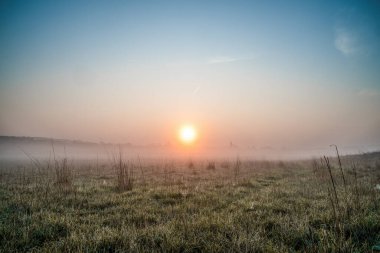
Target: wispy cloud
{"x": 222, "y": 59}
{"x": 196, "y": 90}
{"x": 368, "y": 93}
{"x": 356, "y": 34}
{"x": 346, "y": 41}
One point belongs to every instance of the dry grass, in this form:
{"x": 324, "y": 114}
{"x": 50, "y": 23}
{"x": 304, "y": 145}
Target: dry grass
{"x": 237, "y": 206}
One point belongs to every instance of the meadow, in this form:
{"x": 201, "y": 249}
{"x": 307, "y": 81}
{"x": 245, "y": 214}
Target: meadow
{"x": 188, "y": 205}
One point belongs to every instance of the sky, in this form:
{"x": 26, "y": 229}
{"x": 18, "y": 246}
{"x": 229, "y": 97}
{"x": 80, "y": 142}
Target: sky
{"x": 254, "y": 73}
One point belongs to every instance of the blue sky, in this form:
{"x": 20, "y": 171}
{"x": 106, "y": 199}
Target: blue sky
{"x": 247, "y": 71}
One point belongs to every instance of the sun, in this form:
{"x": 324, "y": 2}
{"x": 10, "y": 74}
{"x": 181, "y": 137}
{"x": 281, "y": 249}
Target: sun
{"x": 187, "y": 134}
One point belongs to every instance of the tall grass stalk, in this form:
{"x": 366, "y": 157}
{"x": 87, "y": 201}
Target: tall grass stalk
{"x": 124, "y": 173}
{"x": 327, "y": 161}
{"x": 237, "y": 168}
{"x": 340, "y": 167}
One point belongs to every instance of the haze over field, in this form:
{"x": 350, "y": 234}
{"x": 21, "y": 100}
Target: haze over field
{"x": 256, "y": 75}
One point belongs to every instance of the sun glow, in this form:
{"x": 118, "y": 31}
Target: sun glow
{"x": 187, "y": 134}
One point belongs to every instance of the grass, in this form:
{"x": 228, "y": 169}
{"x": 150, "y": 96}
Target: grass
{"x": 226, "y": 206}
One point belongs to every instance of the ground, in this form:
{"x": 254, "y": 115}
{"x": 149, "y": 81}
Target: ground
{"x": 190, "y": 206}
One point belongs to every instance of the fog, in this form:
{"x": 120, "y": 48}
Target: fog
{"x": 19, "y": 149}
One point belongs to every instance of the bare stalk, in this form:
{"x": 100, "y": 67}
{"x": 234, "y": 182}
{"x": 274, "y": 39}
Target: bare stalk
{"x": 340, "y": 167}
{"x": 356, "y": 186}
{"x": 332, "y": 179}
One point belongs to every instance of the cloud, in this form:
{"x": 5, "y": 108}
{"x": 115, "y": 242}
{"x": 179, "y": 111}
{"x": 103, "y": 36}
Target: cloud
{"x": 356, "y": 33}
{"x": 222, "y": 59}
{"x": 368, "y": 93}
{"x": 346, "y": 41}
{"x": 196, "y": 90}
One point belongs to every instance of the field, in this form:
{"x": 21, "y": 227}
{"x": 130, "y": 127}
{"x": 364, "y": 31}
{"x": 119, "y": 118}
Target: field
{"x": 235, "y": 205}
